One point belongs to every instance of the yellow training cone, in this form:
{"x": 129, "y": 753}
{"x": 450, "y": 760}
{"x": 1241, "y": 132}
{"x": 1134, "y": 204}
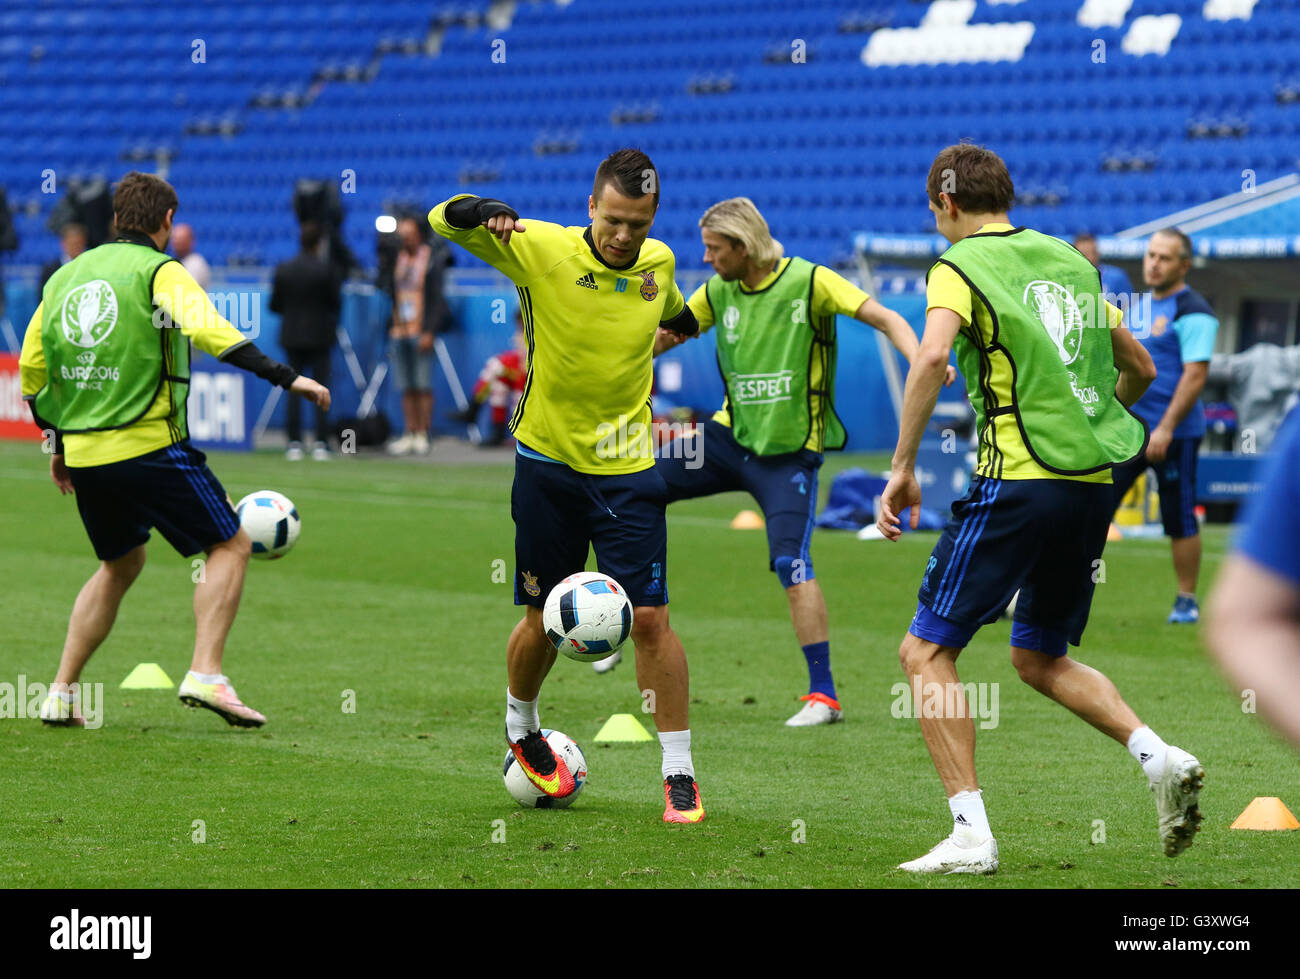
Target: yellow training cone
{"x": 747, "y": 520}
{"x": 1266, "y": 812}
{"x": 147, "y": 676}
{"x": 622, "y": 727}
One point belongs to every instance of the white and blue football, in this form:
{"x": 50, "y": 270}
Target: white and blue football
{"x": 587, "y": 616}
{"x": 271, "y": 520}
{"x": 530, "y": 796}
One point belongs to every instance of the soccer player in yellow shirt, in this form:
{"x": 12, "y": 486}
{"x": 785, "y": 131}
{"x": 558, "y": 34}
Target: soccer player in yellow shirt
{"x": 105, "y": 369}
{"x": 777, "y": 353}
{"x": 593, "y": 301}
{"x": 1051, "y": 375}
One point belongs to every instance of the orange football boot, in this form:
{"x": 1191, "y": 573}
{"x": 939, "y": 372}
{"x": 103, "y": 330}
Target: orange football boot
{"x": 682, "y": 800}
{"x": 544, "y": 768}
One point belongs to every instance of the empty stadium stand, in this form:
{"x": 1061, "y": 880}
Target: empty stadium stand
{"x": 1109, "y": 112}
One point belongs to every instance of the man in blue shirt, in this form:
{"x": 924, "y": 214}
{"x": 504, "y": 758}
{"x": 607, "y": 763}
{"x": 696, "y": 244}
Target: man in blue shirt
{"x": 1115, "y": 284}
{"x": 1177, "y": 327}
{"x": 1254, "y": 613}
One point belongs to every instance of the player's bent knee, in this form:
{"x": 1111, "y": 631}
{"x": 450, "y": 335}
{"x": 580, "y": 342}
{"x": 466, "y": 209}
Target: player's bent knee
{"x": 914, "y": 653}
{"x": 126, "y": 568}
{"x": 241, "y": 545}
{"x": 649, "y": 624}
{"x": 1032, "y": 666}
{"x": 532, "y": 624}
{"x": 792, "y": 571}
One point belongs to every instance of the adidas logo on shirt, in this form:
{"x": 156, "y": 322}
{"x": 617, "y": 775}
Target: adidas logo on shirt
{"x": 588, "y": 281}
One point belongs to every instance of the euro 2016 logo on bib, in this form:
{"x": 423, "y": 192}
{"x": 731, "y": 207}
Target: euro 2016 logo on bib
{"x": 730, "y": 320}
{"x": 89, "y": 313}
{"x": 649, "y": 287}
{"x": 1059, "y": 314}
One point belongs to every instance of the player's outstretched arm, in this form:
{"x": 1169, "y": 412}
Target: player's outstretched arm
{"x": 486, "y": 227}
{"x": 181, "y": 303}
{"x": 924, "y": 381}
{"x": 498, "y": 217}
{"x": 898, "y": 330}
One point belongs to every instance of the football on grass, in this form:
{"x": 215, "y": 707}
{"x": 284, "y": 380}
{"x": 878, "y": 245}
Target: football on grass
{"x": 587, "y": 616}
{"x": 271, "y": 519}
{"x": 530, "y": 796}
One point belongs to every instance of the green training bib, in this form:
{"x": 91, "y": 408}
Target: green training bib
{"x": 771, "y": 347}
{"x": 1040, "y": 315}
{"x": 106, "y": 359}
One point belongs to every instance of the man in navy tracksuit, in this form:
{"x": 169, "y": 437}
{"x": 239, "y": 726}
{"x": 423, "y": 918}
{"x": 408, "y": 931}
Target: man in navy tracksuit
{"x": 1177, "y": 327}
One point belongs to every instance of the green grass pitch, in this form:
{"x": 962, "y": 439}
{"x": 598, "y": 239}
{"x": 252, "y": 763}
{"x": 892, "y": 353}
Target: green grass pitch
{"x": 394, "y": 593}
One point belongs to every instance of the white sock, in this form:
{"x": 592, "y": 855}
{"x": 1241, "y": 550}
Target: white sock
{"x": 677, "y": 753}
{"x": 1149, "y": 751}
{"x": 208, "y": 677}
{"x": 521, "y": 717}
{"x": 970, "y": 822}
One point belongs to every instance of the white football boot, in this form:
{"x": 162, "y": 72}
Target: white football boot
{"x": 221, "y": 699}
{"x": 817, "y": 709}
{"x": 609, "y": 662}
{"x": 58, "y": 712}
{"x": 949, "y": 858}
{"x": 1176, "y": 792}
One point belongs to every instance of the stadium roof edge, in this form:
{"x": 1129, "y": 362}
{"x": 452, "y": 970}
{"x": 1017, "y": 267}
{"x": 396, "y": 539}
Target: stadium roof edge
{"x": 1222, "y": 229}
{"x": 1222, "y": 209}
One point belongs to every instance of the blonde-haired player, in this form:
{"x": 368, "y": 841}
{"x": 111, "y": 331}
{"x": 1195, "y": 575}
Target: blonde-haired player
{"x": 776, "y": 351}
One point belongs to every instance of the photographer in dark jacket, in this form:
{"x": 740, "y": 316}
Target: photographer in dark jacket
{"x": 307, "y": 293}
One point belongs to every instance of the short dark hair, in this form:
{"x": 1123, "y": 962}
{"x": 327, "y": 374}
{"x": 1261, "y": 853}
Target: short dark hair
{"x": 1183, "y": 240}
{"x": 142, "y": 201}
{"x": 309, "y": 236}
{"x": 974, "y": 178}
{"x": 631, "y": 172}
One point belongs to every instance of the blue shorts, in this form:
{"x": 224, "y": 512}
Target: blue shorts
{"x": 559, "y": 512}
{"x": 1176, "y": 477}
{"x": 412, "y": 367}
{"x": 784, "y": 486}
{"x": 171, "y": 489}
{"x": 1043, "y": 537}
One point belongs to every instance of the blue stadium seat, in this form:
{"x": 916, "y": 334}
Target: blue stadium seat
{"x": 824, "y": 146}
